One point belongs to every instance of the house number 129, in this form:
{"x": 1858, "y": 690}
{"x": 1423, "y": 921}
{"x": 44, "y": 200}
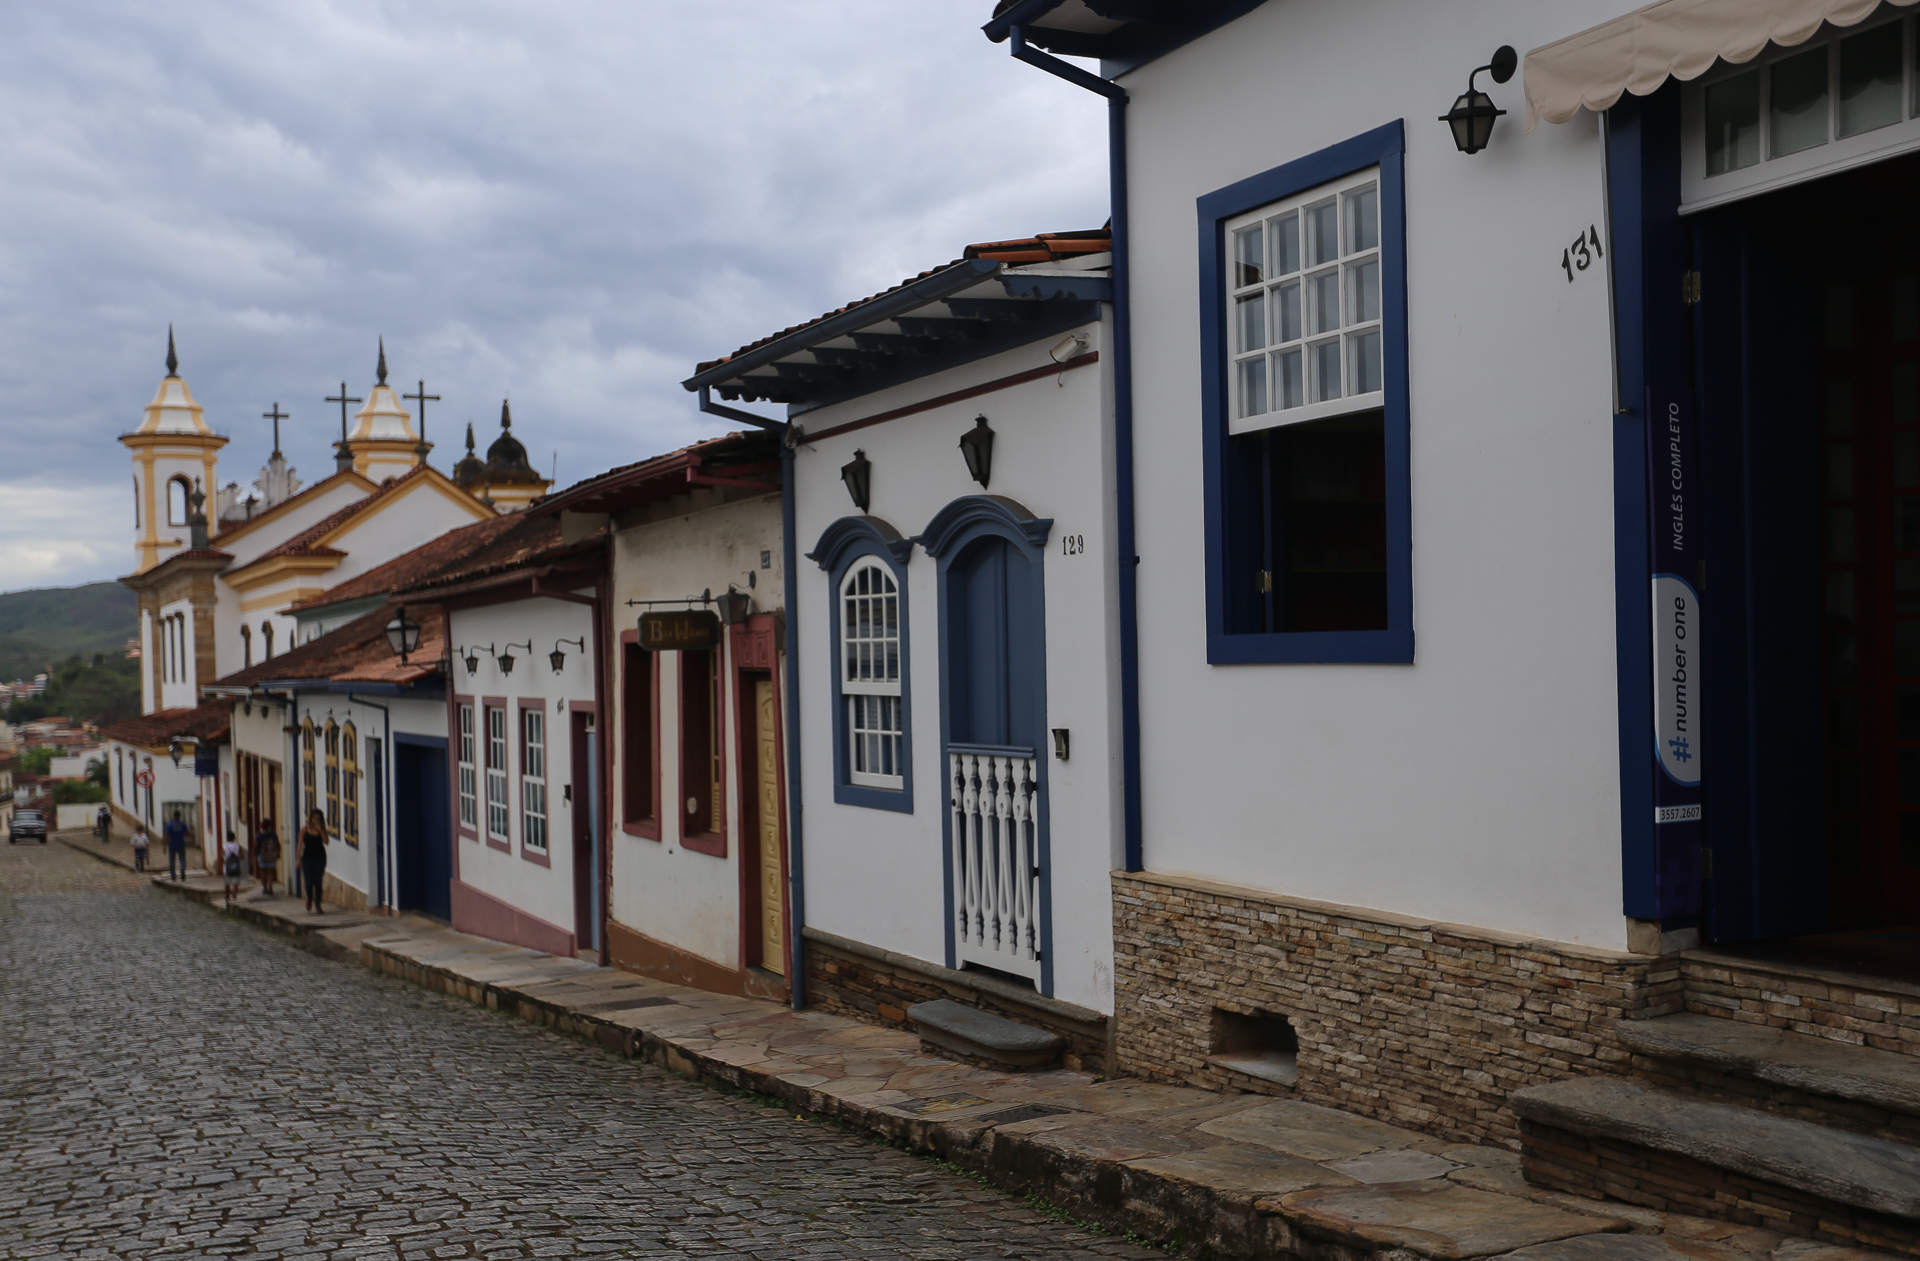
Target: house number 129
{"x": 1580, "y": 255}
{"x": 1072, "y": 544}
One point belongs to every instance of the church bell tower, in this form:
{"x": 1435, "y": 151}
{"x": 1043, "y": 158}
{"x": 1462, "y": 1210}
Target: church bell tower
{"x": 174, "y": 453}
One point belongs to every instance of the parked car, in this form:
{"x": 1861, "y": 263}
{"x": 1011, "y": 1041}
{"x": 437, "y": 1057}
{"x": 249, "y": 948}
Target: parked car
{"x": 27, "y": 825}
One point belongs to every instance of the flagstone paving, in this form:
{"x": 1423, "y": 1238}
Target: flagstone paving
{"x": 1242, "y": 1175}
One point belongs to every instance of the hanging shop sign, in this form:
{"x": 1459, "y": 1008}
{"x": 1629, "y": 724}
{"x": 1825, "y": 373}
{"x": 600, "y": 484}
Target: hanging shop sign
{"x": 1673, "y": 503}
{"x": 683, "y": 630}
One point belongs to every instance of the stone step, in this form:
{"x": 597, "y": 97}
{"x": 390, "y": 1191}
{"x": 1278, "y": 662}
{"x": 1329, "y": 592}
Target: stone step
{"x": 1608, "y": 1137}
{"x": 1882, "y": 1012}
{"x": 1794, "y": 1074}
{"x": 981, "y": 1037}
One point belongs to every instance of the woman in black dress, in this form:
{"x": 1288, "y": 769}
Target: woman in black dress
{"x": 313, "y": 858}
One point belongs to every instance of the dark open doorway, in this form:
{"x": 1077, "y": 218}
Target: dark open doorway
{"x": 1807, "y": 362}
{"x": 423, "y": 841}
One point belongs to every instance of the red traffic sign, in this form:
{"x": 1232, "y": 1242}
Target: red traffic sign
{"x": 144, "y": 779}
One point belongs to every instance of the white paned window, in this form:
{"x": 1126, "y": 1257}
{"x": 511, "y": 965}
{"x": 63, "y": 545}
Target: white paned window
{"x": 870, "y": 675}
{"x": 1303, "y": 306}
{"x": 497, "y": 821}
{"x": 469, "y": 793}
{"x": 533, "y": 779}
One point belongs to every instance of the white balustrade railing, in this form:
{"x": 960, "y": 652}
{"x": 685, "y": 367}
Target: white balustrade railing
{"x": 995, "y": 802}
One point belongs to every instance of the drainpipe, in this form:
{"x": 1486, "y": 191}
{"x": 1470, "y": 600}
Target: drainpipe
{"x": 1122, "y": 428}
{"x": 383, "y": 888}
{"x": 789, "y": 554}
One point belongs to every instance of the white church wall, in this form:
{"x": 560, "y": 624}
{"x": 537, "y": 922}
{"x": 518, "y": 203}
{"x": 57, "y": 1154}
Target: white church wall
{"x": 1478, "y": 785}
{"x": 179, "y": 686}
{"x": 879, "y": 876}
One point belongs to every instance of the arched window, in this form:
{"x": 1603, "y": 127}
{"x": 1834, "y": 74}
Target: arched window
{"x": 350, "y": 785}
{"x": 306, "y": 771}
{"x": 120, "y": 775}
{"x": 870, "y": 675}
{"x": 333, "y": 778}
{"x": 266, "y": 641}
{"x": 178, "y": 506}
{"x": 149, "y": 770}
{"x": 136, "y": 503}
{"x": 246, "y": 646}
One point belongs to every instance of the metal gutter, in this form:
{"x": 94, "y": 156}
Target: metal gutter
{"x": 790, "y": 562}
{"x": 910, "y": 297}
{"x": 1019, "y": 15}
{"x": 1123, "y": 464}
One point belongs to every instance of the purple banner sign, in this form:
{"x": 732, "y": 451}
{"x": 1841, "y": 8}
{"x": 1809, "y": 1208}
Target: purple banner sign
{"x": 1673, "y": 506}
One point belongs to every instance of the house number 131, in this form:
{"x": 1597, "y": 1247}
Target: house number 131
{"x": 1580, "y": 255}
{"x": 1072, "y": 544}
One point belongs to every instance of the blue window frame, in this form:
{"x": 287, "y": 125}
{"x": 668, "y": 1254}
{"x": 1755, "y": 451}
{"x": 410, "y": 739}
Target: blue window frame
{"x": 865, "y": 559}
{"x": 1308, "y": 525}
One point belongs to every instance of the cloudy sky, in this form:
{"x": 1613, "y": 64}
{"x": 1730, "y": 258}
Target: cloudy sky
{"x": 564, "y": 204}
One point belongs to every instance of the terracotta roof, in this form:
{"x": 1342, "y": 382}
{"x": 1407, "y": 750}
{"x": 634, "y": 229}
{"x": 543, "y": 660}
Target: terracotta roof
{"x": 1044, "y": 248}
{"x": 744, "y": 459}
{"x": 208, "y": 722}
{"x": 230, "y": 528}
{"x": 356, "y": 653}
{"x": 496, "y": 545}
{"x": 307, "y": 542}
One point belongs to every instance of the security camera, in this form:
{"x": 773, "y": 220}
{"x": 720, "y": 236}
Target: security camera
{"x": 1070, "y": 348}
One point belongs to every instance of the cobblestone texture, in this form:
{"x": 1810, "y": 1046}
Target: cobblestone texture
{"x": 176, "y": 1084}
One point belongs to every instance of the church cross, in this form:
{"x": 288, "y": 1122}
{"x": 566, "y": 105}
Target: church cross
{"x": 276, "y": 416}
{"x": 421, "y": 397}
{"x": 344, "y": 460}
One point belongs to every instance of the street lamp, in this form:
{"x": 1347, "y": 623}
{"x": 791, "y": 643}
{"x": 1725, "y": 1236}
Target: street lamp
{"x": 735, "y": 606}
{"x": 505, "y": 659}
{"x": 403, "y": 633}
{"x": 976, "y": 444}
{"x": 559, "y": 658}
{"x": 1473, "y": 112}
{"x": 857, "y": 473}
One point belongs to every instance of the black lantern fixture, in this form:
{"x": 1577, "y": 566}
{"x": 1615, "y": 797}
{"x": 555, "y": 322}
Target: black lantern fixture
{"x": 505, "y": 659}
{"x": 735, "y": 606}
{"x": 558, "y": 658}
{"x": 857, "y": 473}
{"x": 976, "y": 444}
{"x": 1473, "y": 112}
{"x": 176, "y": 750}
{"x": 403, "y": 634}
{"x": 472, "y": 657}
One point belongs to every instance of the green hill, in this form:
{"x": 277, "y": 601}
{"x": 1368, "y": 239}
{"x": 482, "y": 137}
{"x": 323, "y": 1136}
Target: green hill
{"x": 53, "y": 624}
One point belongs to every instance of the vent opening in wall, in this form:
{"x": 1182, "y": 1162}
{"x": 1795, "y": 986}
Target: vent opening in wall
{"x": 1260, "y": 1044}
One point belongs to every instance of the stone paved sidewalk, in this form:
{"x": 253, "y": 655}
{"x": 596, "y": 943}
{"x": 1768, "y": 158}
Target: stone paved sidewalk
{"x": 1239, "y": 1175}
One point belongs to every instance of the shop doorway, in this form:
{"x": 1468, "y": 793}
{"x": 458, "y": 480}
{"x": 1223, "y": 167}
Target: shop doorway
{"x": 1807, "y": 367}
{"x": 423, "y": 840}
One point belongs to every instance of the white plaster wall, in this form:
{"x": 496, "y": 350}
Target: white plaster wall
{"x": 181, "y": 692}
{"x": 512, "y": 876}
{"x": 252, "y": 544}
{"x": 877, "y": 876}
{"x": 682, "y": 897}
{"x": 1480, "y": 784}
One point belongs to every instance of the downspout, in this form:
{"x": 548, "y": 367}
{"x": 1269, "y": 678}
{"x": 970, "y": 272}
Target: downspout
{"x": 602, "y": 828}
{"x": 789, "y": 560}
{"x": 1122, "y": 429}
{"x": 385, "y": 848}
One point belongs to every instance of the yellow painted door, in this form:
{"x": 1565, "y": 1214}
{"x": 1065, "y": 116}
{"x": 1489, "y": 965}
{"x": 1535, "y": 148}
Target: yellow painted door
{"x": 766, "y": 783}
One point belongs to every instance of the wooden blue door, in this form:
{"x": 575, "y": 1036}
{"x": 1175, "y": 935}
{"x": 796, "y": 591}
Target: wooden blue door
{"x": 994, "y": 649}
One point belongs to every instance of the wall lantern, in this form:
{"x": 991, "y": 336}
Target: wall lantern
{"x": 857, "y": 473}
{"x": 735, "y": 606}
{"x": 505, "y": 659}
{"x": 176, "y": 751}
{"x": 1473, "y": 112}
{"x": 403, "y": 634}
{"x": 977, "y": 446}
{"x": 1061, "y": 743}
{"x": 472, "y": 656}
{"x": 559, "y": 658}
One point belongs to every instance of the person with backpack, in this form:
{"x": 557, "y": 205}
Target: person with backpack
{"x": 266, "y": 855}
{"x": 103, "y": 819}
{"x": 176, "y": 831}
{"x": 313, "y": 859}
{"x": 232, "y": 866}
{"x": 140, "y": 842}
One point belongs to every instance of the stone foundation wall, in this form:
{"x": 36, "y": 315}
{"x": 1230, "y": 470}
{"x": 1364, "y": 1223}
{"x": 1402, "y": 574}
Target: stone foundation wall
{"x": 1430, "y": 1026}
{"x": 877, "y": 986}
{"x": 1880, "y": 1013}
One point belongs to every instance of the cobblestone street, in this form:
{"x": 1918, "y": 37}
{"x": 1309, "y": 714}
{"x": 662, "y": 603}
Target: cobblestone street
{"x": 174, "y": 1083}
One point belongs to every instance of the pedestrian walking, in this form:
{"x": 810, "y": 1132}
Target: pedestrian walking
{"x": 313, "y": 858}
{"x": 140, "y": 842}
{"x": 232, "y": 864}
{"x": 176, "y": 847}
{"x": 266, "y": 855}
{"x": 103, "y": 819}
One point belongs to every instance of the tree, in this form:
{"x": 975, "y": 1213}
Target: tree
{"x": 35, "y": 761}
{"x": 70, "y": 792}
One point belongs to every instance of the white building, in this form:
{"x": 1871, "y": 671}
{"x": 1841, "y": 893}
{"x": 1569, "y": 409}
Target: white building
{"x": 957, "y": 723}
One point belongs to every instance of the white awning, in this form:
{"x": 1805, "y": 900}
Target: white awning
{"x": 1677, "y": 39}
